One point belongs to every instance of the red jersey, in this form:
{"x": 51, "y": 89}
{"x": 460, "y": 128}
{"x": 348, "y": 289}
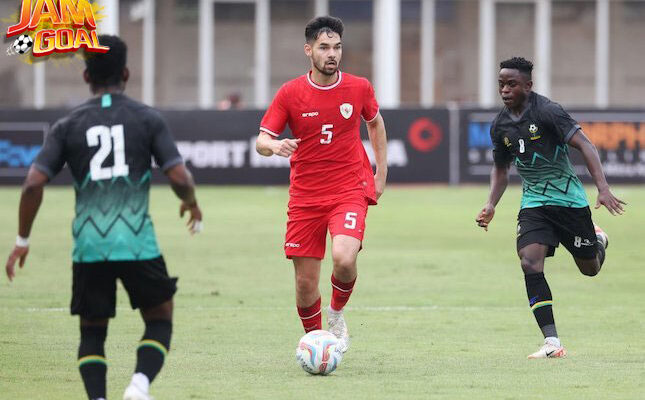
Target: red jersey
{"x": 330, "y": 161}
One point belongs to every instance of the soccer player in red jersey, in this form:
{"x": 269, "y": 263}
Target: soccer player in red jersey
{"x": 332, "y": 181}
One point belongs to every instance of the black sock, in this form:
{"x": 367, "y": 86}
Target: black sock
{"x": 91, "y": 360}
{"x": 153, "y": 347}
{"x": 541, "y": 303}
{"x": 601, "y": 252}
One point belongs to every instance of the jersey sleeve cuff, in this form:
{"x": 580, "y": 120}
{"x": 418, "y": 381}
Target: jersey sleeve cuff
{"x": 374, "y": 117}
{"x": 571, "y": 132}
{"x": 172, "y": 163}
{"x": 265, "y": 130}
{"x": 50, "y": 174}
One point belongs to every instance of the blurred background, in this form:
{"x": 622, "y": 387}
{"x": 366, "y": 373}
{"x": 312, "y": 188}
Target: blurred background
{"x": 416, "y": 52}
{"x": 213, "y": 67}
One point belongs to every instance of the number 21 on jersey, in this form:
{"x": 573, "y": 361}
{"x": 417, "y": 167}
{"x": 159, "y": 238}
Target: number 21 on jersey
{"x": 104, "y": 136}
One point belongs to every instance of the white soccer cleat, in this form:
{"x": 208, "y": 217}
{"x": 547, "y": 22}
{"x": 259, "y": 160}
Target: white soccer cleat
{"x": 133, "y": 392}
{"x": 338, "y": 327}
{"x": 550, "y": 349}
{"x": 601, "y": 236}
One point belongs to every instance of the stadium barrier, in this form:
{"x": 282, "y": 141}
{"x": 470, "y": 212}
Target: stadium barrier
{"x": 424, "y": 145}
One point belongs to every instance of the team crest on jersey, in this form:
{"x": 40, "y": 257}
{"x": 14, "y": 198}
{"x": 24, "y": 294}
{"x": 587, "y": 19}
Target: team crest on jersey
{"x": 507, "y": 142}
{"x": 533, "y": 128}
{"x": 346, "y": 110}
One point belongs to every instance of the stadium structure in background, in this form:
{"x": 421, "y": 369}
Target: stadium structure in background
{"x": 196, "y": 53}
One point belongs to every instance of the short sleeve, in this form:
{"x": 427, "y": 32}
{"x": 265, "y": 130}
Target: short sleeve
{"x": 51, "y": 158}
{"x": 562, "y": 124}
{"x": 501, "y": 154}
{"x": 370, "y": 105}
{"x": 276, "y": 117}
{"x": 164, "y": 149}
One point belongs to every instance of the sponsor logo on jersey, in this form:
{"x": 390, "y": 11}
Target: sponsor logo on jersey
{"x": 533, "y": 129}
{"x": 310, "y": 114}
{"x": 292, "y": 245}
{"x": 346, "y": 110}
{"x": 507, "y": 141}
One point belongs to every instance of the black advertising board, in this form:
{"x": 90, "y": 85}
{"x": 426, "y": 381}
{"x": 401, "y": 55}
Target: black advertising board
{"x": 219, "y": 146}
{"x": 618, "y": 135}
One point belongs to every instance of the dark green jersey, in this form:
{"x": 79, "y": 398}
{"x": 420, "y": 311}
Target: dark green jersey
{"x": 536, "y": 142}
{"x": 109, "y": 143}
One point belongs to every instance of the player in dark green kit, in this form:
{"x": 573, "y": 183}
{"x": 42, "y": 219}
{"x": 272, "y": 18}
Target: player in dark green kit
{"x": 108, "y": 144}
{"x": 534, "y": 134}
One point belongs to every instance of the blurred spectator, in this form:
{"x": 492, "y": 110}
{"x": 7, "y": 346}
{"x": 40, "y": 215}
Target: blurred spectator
{"x": 233, "y": 101}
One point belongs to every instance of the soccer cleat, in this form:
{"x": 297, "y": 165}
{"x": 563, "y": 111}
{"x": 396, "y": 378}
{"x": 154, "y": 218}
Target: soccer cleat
{"x": 338, "y": 327}
{"x": 601, "y": 236}
{"x": 133, "y": 392}
{"x": 549, "y": 350}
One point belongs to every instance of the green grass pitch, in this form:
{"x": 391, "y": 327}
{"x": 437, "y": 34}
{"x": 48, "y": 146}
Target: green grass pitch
{"x": 439, "y": 311}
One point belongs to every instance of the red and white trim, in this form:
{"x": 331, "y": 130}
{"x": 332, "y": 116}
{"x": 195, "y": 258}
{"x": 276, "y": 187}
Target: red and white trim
{"x": 333, "y": 85}
{"x": 342, "y": 290}
{"x": 265, "y": 130}
{"x": 375, "y": 115}
{"x": 311, "y": 316}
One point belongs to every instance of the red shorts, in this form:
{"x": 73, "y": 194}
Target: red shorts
{"x": 307, "y": 225}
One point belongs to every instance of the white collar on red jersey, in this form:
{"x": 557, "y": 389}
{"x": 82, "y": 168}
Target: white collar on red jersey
{"x": 333, "y": 85}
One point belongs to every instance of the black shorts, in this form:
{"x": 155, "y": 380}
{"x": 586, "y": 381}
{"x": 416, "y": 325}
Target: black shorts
{"x": 552, "y": 225}
{"x": 94, "y": 286}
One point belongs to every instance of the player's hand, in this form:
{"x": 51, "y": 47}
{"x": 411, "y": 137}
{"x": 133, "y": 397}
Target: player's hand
{"x": 285, "y": 147}
{"x": 485, "y": 216}
{"x": 613, "y": 204}
{"x": 379, "y": 184}
{"x": 195, "y": 220}
{"x": 18, "y": 253}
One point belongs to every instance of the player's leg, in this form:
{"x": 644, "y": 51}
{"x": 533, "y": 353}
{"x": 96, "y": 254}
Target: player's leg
{"x": 94, "y": 300}
{"x": 305, "y": 242}
{"x": 91, "y": 357}
{"x": 307, "y": 277}
{"x": 536, "y": 240}
{"x": 344, "y": 253}
{"x": 585, "y": 241}
{"x": 347, "y": 227}
{"x": 152, "y": 350}
{"x": 532, "y": 259}
{"x": 151, "y": 290}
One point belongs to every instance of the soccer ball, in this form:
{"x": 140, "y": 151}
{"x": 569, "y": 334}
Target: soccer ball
{"x": 23, "y": 44}
{"x": 317, "y": 353}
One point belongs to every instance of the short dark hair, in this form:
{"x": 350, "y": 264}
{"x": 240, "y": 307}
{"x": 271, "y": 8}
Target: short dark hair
{"x": 519, "y": 63}
{"x": 325, "y": 24}
{"x": 106, "y": 69}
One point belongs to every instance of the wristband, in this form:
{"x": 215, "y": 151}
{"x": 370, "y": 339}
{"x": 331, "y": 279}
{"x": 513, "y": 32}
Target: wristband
{"x": 21, "y": 241}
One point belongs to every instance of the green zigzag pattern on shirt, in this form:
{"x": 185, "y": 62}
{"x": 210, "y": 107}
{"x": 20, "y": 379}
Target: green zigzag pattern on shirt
{"x": 112, "y": 220}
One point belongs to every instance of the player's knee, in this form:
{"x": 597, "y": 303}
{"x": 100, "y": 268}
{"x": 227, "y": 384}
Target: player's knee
{"x": 344, "y": 263}
{"x": 531, "y": 265}
{"x": 589, "y": 268}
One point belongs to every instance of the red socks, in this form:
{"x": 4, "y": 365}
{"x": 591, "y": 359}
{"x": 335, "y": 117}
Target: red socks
{"x": 340, "y": 293}
{"x": 311, "y": 317}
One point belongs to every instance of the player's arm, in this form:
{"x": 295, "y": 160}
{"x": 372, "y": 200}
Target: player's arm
{"x": 30, "y": 200}
{"x": 182, "y": 183}
{"x": 378, "y": 139}
{"x": 267, "y": 146}
{"x": 498, "y": 184}
{"x": 498, "y": 179}
{"x": 590, "y": 154}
